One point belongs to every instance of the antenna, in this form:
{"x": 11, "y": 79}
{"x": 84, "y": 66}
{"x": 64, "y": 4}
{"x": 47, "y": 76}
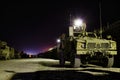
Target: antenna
{"x": 70, "y": 19}
{"x": 100, "y": 20}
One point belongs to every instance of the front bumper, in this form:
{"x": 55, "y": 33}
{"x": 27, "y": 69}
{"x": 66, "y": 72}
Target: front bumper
{"x": 91, "y": 52}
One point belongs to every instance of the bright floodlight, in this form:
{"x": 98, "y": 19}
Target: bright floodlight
{"x": 58, "y": 40}
{"x": 78, "y": 22}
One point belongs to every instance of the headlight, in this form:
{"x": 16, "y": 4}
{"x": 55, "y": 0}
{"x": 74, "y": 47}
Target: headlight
{"x": 113, "y": 45}
{"x": 80, "y": 45}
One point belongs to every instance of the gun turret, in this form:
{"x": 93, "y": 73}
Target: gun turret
{"x": 78, "y": 27}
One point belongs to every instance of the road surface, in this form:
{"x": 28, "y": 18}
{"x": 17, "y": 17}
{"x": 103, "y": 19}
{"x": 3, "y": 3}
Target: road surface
{"x": 49, "y": 69}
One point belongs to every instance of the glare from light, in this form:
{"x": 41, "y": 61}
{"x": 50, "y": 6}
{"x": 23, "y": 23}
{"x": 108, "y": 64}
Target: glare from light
{"x": 58, "y": 40}
{"x": 78, "y": 22}
{"x": 50, "y": 49}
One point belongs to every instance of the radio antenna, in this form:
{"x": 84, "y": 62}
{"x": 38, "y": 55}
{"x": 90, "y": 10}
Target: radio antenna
{"x": 100, "y": 19}
{"x": 70, "y": 19}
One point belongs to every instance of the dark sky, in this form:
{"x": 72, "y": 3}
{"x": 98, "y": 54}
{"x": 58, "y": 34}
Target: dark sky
{"x": 33, "y": 27}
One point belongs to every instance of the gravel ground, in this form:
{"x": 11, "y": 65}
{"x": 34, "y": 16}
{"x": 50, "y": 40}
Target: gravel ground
{"x": 49, "y": 69}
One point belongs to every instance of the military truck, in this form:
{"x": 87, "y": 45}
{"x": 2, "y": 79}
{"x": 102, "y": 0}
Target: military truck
{"x": 82, "y": 47}
{"x": 6, "y": 52}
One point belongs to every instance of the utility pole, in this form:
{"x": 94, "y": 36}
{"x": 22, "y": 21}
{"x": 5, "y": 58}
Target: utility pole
{"x": 100, "y": 19}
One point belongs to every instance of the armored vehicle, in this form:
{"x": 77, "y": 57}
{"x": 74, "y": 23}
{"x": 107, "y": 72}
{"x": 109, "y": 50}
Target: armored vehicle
{"x": 6, "y": 52}
{"x": 82, "y": 47}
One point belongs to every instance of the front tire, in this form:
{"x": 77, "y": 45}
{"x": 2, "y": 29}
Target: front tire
{"x": 108, "y": 61}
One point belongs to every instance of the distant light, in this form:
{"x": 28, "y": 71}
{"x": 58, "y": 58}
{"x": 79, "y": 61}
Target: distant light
{"x": 58, "y": 40}
{"x": 29, "y": 52}
{"x": 30, "y": 55}
{"x": 78, "y": 22}
{"x": 50, "y": 49}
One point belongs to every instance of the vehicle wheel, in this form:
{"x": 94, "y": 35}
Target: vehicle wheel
{"x": 76, "y": 63}
{"x": 108, "y": 61}
{"x": 5, "y": 58}
{"x": 85, "y": 62}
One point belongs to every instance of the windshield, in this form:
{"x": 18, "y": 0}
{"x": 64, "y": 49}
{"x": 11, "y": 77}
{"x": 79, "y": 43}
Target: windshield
{"x": 91, "y": 35}
{"x": 88, "y": 34}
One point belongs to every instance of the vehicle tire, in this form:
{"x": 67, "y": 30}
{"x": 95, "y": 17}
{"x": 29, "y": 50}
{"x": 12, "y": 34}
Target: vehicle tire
{"x": 108, "y": 61}
{"x": 7, "y": 58}
{"x": 85, "y": 62}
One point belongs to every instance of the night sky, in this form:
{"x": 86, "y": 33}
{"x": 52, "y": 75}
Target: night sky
{"x": 33, "y": 27}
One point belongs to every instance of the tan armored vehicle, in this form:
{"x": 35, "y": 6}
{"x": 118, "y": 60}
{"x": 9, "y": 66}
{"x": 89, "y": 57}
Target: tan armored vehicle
{"x": 6, "y": 52}
{"x": 81, "y": 47}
